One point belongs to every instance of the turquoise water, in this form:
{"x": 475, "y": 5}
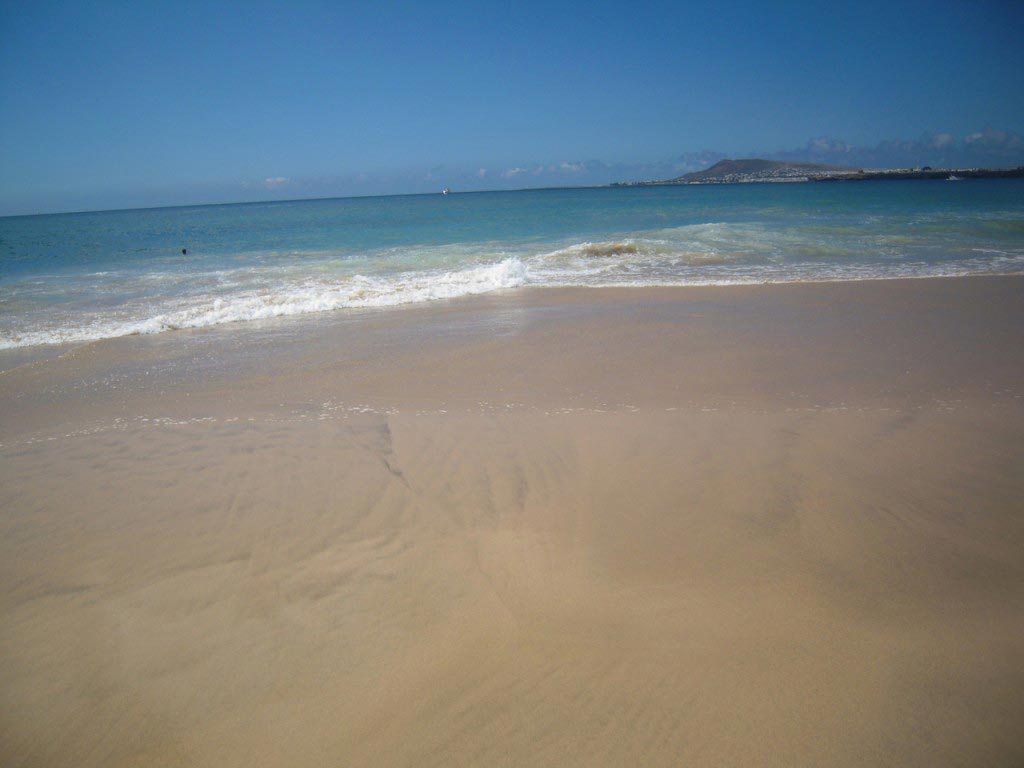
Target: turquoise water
{"x": 78, "y": 277}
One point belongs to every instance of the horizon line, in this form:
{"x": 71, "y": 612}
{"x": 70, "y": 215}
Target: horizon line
{"x": 607, "y": 185}
{"x": 307, "y": 200}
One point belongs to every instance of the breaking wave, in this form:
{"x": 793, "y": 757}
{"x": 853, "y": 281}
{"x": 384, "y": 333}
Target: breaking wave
{"x": 305, "y": 297}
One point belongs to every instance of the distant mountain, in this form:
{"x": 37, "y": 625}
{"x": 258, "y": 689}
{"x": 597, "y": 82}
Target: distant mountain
{"x": 755, "y": 169}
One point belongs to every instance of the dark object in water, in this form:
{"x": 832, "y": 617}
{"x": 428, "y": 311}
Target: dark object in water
{"x": 184, "y": 251}
{"x": 609, "y": 249}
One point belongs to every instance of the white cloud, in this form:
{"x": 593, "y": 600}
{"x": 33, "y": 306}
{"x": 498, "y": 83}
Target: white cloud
{"x": 941, "y": 140}
{"x": 571, "y": 167}
{"x": 823, "y": 144}
{"x": 513, "y": 172}
{"x": 276, "y": 181}
{"x": 482, "y": 173}
{"x": 993, "y": 139}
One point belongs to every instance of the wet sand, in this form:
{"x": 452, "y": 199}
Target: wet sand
{"x": 774, "y": 525}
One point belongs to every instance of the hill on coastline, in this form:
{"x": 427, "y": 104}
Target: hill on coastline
{"x": 758, "y": 170}
{"x": 755, "y": 169}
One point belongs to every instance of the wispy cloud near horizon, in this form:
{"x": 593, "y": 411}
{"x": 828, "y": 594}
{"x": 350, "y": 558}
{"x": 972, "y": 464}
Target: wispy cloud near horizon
{"x": 941, "y": 149}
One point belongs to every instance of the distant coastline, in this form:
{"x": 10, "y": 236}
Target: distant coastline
{"x": 758, "y": 171}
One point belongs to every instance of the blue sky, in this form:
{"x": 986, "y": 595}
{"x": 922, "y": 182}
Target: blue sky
{"x": 146, "y": 103}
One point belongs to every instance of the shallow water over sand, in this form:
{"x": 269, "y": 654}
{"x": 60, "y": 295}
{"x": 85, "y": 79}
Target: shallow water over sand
{"x": 756, "y": 525}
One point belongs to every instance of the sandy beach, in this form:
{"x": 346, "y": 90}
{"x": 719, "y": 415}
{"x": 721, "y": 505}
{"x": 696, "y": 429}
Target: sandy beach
{"x": 750, "y": 525}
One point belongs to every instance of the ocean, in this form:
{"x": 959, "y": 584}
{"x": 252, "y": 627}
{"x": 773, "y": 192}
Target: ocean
{"x": 71, "y": 278}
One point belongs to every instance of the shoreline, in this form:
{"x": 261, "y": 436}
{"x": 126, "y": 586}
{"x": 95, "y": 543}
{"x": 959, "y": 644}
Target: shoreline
{"x": 28, "y": 354}
{"x": 494, "y": 333}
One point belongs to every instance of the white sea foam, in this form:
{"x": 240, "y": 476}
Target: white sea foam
{"x": 295, "y": 298}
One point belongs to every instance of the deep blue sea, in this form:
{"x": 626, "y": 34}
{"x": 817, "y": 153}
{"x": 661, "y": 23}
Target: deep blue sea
{"x": 85, "y": 276}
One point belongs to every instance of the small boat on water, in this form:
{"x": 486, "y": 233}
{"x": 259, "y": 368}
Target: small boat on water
{"x": 445, "y": 191}
{"x": 954, "y": 177}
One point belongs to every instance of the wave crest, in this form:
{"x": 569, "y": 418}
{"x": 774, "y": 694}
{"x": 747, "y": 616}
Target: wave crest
{"x": 297, "y": 299}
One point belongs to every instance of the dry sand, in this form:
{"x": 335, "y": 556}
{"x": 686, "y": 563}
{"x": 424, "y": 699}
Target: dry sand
{"x": 776, "y": 525}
